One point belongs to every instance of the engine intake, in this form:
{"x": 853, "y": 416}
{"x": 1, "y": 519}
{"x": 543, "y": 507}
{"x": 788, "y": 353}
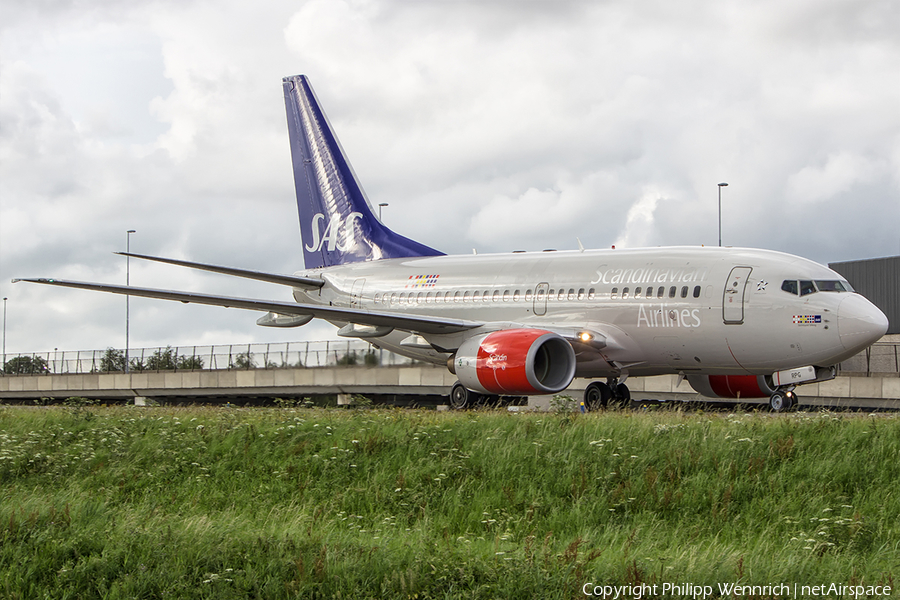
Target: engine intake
{"x": 731, "y": 386}
{"x": 515, "y": 362}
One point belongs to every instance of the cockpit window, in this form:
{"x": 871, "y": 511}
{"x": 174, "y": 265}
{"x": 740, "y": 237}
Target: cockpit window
{"x": 833, "y": 286}
{"x": 804, "y": 288}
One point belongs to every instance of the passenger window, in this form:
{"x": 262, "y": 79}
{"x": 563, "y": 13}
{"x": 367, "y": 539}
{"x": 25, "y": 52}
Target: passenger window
{"x": 790, "y": 287}
{"x": 661, "y": 291}
{"x": 428, "y": 298}
{"x": 562, "y": 294}
{"x": 624, "y": 292}
{"x": 571, "y": 293}
{"x": 637, "y": 292}
{"x": 377, "y": 298}
{"x": 506, "y": 295}
{"x": 684, "y": 291}
{"x": 496, "y": 296}
{"x": 696, "y": 291}
{"x": 476, "y": 296}
{"x": 592, "y": 293}
{"x": 614, "y": 293}
{"x": 420, "y": 297}
{"x": 456, "y": 296}
{"x": 581, "y": 293}
{"x": 516, "y": 296}
{"x": 672, "y": 292}
{"x": 528, "y": 295}
{"x": 807, "y": 287}
{"x": 551, "y": 294}
{"x": 486, "y": 296}
{"x": 403, "y": 298}
{"x": 466, "y": 296}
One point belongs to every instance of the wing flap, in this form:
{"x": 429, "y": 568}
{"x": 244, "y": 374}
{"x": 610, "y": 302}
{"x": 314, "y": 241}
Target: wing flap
{"x": 412, "y": 323}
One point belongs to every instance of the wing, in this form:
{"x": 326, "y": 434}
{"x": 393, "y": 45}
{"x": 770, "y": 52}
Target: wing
{"x": 307, "y": 282}
{"x": 416, "y": 323}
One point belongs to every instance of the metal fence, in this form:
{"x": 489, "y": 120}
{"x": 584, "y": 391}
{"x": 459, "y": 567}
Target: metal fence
{"x": 283, "y": 355}
{"x": 882, "y": 358}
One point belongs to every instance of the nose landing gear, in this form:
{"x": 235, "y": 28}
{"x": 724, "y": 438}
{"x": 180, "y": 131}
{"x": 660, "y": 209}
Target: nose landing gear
{"x": 783, "y": 400}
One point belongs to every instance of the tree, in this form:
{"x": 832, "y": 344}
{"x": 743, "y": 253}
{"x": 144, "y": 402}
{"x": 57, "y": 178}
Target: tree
{"x": 189, "y": 363}
{"x": 371, "y": 359}
{"x": 113, "y": 360}
{"x": 244, "y": 360}
{"x": 162, "y": 360}
{"x": 25, "y": 365}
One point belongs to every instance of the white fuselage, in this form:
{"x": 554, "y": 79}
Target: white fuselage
{"x": 661, "y": 310}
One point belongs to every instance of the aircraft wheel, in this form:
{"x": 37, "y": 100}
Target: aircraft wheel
{"x": 623, "y": 395}
{"x": 597, "y": 395}
{"x": 779, "y": 402}
{"x": 461, "y": 397}
{"x": 790, "y": 400}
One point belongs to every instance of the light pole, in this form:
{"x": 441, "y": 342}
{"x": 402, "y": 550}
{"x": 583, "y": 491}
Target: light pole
{"x": 380, "y": 205}
{"x": 3, "y": 366}
{"x": 721, "y": 185}
{"x": 127, "y": 297}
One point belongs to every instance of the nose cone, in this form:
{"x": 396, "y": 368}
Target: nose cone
{"x": 860, "y": 323}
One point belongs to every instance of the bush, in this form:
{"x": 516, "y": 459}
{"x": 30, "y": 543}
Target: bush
{"x": 25, "y": 365}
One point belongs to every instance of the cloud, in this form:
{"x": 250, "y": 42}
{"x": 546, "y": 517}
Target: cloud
{"x": 839, "y": 173}
{"x": 498, "y": 125}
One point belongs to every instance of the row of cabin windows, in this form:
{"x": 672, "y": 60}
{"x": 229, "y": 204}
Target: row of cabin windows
{"x": 516, "y": 295}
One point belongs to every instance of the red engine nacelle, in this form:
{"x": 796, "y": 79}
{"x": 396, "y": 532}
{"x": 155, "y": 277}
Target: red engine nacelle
{"x": 515, "y": 362}
{"x": 731, "y": 386}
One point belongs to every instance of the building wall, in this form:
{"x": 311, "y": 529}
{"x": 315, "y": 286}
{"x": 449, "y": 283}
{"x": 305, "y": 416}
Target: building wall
{"x": 877, "y": 279}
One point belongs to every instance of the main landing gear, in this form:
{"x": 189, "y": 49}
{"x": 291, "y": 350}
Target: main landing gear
{"x": 599, "y": 395}
{"x": 783, "y": 400}
{"x": 462, "y": 398}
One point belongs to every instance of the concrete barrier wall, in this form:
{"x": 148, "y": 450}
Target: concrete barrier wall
{"x": 882, "y": 391}
{"x": 424, "y": 380}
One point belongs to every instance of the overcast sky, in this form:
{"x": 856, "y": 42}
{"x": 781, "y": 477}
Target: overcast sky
{"x": 496, "y": 125}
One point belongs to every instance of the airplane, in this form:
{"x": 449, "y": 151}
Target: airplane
{"x": 734, "y": 322}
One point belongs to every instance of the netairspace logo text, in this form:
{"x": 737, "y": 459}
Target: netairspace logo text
{"x": 699, "y": 592}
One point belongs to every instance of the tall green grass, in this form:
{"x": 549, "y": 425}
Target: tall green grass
{"x": 312, "y": 503}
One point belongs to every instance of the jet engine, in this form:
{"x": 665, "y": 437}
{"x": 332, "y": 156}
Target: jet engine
{"x": 515, "y": 362}
{"x": 731, "y": 386}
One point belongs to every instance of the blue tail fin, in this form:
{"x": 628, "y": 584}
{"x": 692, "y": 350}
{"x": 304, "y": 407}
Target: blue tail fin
{"x": 336, "y": 220}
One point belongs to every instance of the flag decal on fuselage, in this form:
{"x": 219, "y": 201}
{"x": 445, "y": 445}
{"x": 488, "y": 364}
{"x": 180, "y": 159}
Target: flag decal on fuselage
{"x": 421, "y": 281}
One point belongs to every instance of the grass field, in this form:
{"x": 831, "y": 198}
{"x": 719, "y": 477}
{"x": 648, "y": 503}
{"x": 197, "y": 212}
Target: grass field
{"x": 318, "y": 503}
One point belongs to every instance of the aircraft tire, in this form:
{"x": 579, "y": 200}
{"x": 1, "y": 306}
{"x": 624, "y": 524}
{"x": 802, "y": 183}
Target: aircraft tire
{"x": 622, "y": 395}
{"x": 462, "y": 398}
{"x": 790, "y": 400}
{"x": 596, "y": 396}
{"x": 779, "y": 402}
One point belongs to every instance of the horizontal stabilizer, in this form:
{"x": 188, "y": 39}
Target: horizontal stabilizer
{"x": 291, "y": 280}
{"x": 421, "y": 324}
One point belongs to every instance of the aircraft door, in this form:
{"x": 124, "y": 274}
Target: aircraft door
{"x": 540, "y": 298}
{"x": 356, "y": 292}
{"x": 733, "y": 298}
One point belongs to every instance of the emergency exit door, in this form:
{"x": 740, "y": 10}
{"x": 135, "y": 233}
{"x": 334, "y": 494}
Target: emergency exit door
{"x": 733, "y": 298}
